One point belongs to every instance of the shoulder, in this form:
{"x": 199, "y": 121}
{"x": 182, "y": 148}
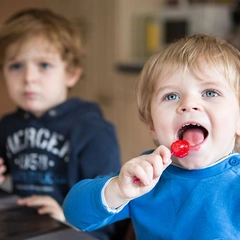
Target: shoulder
{"x": 7, "y": 124}
{"x": 90, "y": 113}
{"x": 86, "y": 118}
{"x": 9, "y": 118}
{"x": 84, "y": 107}
{"x": 234, "y": 162}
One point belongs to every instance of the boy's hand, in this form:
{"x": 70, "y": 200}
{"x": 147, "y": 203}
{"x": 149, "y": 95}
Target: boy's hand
{"x": 45, "y": 205}
{"x": 2, "y": 170}
{"x": 147, "y": 168}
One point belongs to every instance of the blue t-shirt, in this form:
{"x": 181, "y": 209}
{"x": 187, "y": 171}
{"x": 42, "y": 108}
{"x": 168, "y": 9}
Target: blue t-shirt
{"x": 185, "y": 204}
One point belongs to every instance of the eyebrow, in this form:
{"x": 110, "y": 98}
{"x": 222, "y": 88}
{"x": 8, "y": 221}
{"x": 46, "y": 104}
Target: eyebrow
{"x": 159, "y": 90}
{"x": 204, "y": 82}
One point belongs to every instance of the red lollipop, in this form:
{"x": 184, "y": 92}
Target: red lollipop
{"x": 179, "y": 148}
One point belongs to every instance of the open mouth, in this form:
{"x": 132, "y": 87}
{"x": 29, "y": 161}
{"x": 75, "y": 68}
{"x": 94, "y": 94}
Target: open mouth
{"x": 193, "y": 133}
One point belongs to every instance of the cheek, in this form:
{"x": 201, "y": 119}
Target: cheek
{"x": 161, "y": 123}
{"x": 13, "y": 88}
{"x": 238, "y": 125}
{"x": 231, "y": 120}
{"x": 11, "y": 80}
{"x": 12, "y": 93}
{"x": 10, "y": 87}
{"x": 161, "y": 117}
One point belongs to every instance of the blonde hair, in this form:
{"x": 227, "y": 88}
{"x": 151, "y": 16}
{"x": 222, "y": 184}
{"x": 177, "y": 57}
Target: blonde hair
{"x": 59, "y": 31}
{"x": 192, "y": 53}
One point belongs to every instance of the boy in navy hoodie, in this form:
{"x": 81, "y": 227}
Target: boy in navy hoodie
{"x": 50, "y": 142}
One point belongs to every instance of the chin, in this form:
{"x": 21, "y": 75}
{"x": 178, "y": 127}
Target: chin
{"x": 192, "y": 163}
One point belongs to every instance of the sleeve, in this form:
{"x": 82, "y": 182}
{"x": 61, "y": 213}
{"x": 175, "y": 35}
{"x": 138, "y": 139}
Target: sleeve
{"x": 83, "y": 206}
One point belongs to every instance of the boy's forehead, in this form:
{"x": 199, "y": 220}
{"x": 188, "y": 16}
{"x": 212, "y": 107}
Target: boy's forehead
{"x": 203, "y": 71}
{"x": 41, "y": 43}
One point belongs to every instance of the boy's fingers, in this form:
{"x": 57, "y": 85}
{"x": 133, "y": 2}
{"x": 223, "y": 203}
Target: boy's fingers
{"x": 162, "y": 151}
{"x": 135, "y": 169}
{"x": 165, "y": 154}
{"x": 162, "y": 155}
{"x": 30, "y": 201}
{"x": 36, "y": 201}
{"x": 45, "y": 210}
{"x": 2, "y": 169}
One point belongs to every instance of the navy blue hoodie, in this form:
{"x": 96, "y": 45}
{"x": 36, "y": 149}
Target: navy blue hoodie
{"x": 49, "y": 154}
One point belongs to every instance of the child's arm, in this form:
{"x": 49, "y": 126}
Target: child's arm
{"x": 147, "y": 168}
{"x": 84, "y": 206}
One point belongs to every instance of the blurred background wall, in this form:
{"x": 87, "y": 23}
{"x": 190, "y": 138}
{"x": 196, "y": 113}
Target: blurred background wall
{"x": 119, "y": 36}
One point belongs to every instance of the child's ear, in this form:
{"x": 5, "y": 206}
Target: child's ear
{"x": 73, "y": 77}
{"x": 152, "y": 131}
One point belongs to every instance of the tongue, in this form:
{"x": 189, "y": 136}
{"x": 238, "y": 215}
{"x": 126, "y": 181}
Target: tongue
{"x": 194, "y": 136}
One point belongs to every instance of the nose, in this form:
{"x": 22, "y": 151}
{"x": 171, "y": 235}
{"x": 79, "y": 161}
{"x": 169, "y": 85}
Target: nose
{"x": 188, "y": 104}
{"x": 30, "y": 74}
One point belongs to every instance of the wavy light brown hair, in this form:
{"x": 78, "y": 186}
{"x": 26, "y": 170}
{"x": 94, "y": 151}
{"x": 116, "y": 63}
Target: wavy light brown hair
{"x": 194, "y": 53}
{"x": 58, "y": 30}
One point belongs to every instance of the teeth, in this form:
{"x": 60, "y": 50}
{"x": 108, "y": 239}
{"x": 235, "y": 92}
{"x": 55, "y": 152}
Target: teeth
{"x": 188, "y": 124}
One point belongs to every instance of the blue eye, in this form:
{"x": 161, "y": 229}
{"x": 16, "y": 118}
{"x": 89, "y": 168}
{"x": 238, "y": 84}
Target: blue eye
{"x": 211, "y": 93}
{"x": 44, "y": 65}
{"x": 171, "y": 96}
{"x": 15, "y": 66}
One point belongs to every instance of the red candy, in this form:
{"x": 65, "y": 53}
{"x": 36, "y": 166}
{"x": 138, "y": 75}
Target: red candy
{"x": 180, "y": 148}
